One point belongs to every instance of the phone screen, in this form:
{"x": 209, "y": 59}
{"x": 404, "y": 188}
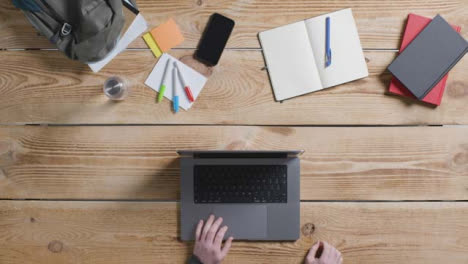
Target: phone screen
{"x": 214, "y": 39}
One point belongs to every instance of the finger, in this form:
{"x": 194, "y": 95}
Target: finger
{"x": 331, "y": 254}
{"x": 319, "y": 251}
{"x": 219, "y": 236}
{"x": 198, "y": 230}
{"x": 313, "y": 251}
{"x": 326, "y": 251}
{"x": 213, "y": 230}
{"x": 334, "y": 258}
{"x": 207, "y": 227}
{"x": 226, "y": 247}
{"x": 338, "y": 257}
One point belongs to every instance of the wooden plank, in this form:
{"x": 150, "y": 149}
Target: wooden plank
{"x": 125, "y": 232}
{"x": 51, "y": 89}
{"x": 380, "y": 23}
{"x": 339, "y": 163}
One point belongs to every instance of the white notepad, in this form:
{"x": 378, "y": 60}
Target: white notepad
{"x": 295, "y": 55}
{"x": 194, "y": 80}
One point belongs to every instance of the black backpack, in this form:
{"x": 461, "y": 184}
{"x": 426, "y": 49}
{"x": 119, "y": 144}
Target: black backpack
{"x": 85, "y": 30}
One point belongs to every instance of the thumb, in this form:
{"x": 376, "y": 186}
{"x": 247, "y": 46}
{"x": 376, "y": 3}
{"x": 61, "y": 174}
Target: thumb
{"x": 313, "y": 251}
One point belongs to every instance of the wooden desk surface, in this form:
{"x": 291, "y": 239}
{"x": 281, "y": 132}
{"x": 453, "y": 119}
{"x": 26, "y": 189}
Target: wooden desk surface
{"x": 85, "y": 180}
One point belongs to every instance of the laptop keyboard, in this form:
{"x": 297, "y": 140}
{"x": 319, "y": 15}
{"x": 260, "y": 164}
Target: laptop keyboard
{"x": 240, "y": 184}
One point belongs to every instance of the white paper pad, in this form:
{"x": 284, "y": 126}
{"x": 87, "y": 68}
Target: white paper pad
{"x": 194, "y": 80}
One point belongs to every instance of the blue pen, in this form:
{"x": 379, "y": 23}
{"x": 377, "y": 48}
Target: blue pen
{"x": 175, "y": 91}
{"x": 328, "y": 53}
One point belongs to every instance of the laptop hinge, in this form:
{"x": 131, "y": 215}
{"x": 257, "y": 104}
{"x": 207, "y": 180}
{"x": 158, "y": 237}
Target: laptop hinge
{"x": 240, "y": 155}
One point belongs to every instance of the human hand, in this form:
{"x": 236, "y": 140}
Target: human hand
{"x": 323, "y": 253}
{"x": 208, "y": 240}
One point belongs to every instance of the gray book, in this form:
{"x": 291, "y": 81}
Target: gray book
{"x": 428, "y": 58}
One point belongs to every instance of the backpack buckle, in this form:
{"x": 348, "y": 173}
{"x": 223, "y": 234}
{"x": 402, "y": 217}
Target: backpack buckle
{"x": 66, "y": 29}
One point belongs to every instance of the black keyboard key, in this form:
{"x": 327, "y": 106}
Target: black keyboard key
{"x": 240, "y": 184}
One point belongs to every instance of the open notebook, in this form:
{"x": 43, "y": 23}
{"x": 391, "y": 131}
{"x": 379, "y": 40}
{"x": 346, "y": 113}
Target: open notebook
{"x": 295, "y": 55}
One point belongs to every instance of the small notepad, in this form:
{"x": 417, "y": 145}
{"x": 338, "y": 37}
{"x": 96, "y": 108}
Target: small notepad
{"x": 167, "y": 35}
{"x": 148, "y": 38}
{"x": 195, "y": 80}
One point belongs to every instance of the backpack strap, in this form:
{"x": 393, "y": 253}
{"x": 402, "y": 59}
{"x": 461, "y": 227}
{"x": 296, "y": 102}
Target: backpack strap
{"x": 27, "y": 5}
{"x": 130, "y": 4}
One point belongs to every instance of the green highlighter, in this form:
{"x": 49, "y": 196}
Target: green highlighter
{"x": 162, "y": 88}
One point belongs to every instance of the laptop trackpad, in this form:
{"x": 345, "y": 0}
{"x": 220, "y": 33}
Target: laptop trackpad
{"x": 244, "y": 221}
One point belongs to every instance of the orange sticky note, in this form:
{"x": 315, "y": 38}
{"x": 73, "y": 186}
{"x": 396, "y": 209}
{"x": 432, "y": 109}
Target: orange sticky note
{"x": 167, "y": 35}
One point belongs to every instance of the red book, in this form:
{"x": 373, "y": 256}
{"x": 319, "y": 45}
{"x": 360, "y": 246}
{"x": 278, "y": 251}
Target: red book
{"x": 414, "y": 25}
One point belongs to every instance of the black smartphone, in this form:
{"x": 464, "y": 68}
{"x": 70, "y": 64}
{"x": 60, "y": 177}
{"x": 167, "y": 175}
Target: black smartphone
{"x": 214, "y": 39}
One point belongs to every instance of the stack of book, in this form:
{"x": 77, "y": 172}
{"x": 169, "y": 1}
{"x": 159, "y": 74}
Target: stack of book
{"x": 429, "y": 49}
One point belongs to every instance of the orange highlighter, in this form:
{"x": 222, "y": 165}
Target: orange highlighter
{"x": 187, "y": 90}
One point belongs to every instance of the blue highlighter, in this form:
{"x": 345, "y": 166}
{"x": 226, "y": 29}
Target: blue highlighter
{"x": 175, "y": 91}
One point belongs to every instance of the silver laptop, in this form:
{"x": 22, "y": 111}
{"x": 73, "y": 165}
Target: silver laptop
{"x": 255, "y": 192}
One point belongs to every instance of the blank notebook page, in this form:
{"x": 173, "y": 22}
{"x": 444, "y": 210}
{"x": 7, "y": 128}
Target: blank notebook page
{"x": 348, "y": 62}
{"x": 290, "y": 62}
